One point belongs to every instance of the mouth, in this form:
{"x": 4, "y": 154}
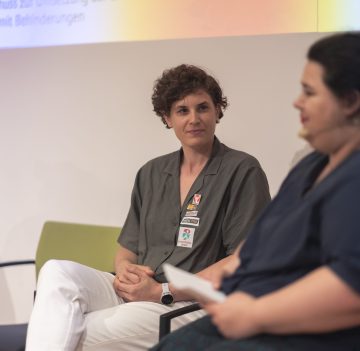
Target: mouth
{"x": 303, "y": 119}
{"x": 195, "y": 131}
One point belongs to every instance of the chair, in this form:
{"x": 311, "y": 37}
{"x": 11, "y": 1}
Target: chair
{"x": 92, "y": 245}
{"x": 165, "y": 318}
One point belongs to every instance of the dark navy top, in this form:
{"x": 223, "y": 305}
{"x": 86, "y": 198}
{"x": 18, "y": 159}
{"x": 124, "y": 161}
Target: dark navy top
{"x": 303, "y": 228}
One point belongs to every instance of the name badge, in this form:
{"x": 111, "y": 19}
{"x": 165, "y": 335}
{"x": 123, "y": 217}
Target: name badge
{"x": 186, "y": 237}
{"x": 191, "y": 213}
{"x": 191, "y": 221}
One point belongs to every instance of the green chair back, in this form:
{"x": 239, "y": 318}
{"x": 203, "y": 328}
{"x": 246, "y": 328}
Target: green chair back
{"x": 91, "y": 245}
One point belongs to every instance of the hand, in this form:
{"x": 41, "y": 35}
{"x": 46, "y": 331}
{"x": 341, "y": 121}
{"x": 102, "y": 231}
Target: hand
{"x": 235, "y": 317}
{"x": 139, "y": 287}
{"x": 127, "y": 272}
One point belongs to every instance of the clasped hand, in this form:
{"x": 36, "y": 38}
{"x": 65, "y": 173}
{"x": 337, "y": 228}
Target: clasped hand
{"x": 136, "y": 283}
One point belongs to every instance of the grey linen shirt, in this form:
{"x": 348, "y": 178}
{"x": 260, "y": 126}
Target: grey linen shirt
{"x": 232, "y": 188}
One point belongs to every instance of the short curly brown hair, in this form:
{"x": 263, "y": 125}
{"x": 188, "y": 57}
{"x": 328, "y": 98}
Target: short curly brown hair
{"x": 180, "y": 81}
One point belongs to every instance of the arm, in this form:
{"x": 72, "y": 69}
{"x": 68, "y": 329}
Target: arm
{"x": 125, "y": 262}
{"x": 134, "y": 282}
{"x": 223, "y": 268}
{"x": 318, "y": 302}
{"x": 215, "y": 273}
{"x": 212, "y": 272}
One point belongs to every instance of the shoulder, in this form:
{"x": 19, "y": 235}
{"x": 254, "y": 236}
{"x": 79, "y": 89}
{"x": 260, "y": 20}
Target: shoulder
{"x": 232, "y": 157}
{"x": 239, "y": 166}
{"x": 309, "y": 161}
{"x": 161, "y": 163}
{"x": 311, "y": 158}
{"x": 351, "y": 167}
{"x": 345, "y": 180}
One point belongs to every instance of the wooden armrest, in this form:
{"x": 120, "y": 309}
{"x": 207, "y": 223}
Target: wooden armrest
{"x": 165, "y": 319}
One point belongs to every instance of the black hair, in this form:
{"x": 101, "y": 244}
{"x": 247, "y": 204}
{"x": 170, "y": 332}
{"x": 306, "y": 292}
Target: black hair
{"x": 339, "y": 55}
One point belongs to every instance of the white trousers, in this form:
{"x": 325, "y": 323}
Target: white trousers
{"x": 76, "y": 308}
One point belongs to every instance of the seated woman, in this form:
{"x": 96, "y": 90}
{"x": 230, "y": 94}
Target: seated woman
{"x": 298, "y": 284}
{"x": 190, "y": 208}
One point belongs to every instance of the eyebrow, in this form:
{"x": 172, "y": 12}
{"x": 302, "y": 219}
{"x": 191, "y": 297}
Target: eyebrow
{"x": 306, "y": 85}
{"x": 200, "y": 103}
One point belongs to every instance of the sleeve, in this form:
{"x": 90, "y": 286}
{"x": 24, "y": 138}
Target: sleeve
{"x": 129, "y": 237}
{"x": 341, "y": 233}
{"x": 249, "y": 194}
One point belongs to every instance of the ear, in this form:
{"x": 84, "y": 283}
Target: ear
{"x": 168, "y": 121}
{"x": 352, "y": 103}
{"x": 218, "y": 112}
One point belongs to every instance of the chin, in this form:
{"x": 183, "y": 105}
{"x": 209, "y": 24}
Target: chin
{"x": 199, "y": 143}
{"x": 304, "y": 133}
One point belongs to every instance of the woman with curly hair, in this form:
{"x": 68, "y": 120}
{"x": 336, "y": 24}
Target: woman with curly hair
{"x": 191, "y": 208}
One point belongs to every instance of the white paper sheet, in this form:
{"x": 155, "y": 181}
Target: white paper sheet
{"x": 192, "y": 284}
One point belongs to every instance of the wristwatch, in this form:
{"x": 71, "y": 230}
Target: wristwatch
{"x": 166, "y": 296}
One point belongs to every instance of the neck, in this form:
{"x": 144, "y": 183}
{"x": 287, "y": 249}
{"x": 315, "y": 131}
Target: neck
{"x": 346, "y": 149}
{"x": 339, "y": 155}
{"x": 193, "y": 160}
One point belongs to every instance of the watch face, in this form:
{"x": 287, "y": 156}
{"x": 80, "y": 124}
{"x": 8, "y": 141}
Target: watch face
{"x": 167, "y": 299}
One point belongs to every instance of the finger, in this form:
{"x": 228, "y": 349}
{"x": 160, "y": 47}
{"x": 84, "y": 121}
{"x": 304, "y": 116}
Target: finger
{"x": 209, "y": 307}
{"x": 217, "y": 279}
{"x": 130, "y": 276}
{"x": 124, "y": 289}
{"x": 148, "y": 271}
{"x": 135, "y": 269}
{"x": 123, "y": 279}
{"x": 138, "y": 269}
{"x": 124, "y": 275}
{"x": 123, "y": 295}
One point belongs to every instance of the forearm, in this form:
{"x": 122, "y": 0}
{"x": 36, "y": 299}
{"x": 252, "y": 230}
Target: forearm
{"x": 124, "y": 256}
{"x": 319, "y": 302}
{"x": 219, "y": 266}
{"x": 213, "y": 273}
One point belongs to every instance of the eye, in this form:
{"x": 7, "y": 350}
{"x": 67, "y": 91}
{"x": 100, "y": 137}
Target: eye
{"x": 308, "y": 91}
{"x": 203, "y": 107}
{"x": 182, "y": 111}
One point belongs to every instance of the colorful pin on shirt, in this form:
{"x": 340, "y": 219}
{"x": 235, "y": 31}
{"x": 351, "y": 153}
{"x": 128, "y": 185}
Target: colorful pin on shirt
{"x": 191, "y": 207}
{"x": 196, "y": 199}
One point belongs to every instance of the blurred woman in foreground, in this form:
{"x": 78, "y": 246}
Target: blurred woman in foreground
{"x": 298, "y": 285}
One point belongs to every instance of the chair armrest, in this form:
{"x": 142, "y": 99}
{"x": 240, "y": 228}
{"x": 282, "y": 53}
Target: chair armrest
{"x": 165, "y": 319}
{"x": 16, "y": 263}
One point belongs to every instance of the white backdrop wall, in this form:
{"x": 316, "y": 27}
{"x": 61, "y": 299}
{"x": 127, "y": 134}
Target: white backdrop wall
{"x": 76, "y": 123}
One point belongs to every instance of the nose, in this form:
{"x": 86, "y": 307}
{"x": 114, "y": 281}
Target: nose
{"x": 194, "y": 117}
{"x": 298, "y": 102}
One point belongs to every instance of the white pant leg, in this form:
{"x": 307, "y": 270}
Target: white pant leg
{"x": 66, "y": 291}
{"x": 130, "y": 326}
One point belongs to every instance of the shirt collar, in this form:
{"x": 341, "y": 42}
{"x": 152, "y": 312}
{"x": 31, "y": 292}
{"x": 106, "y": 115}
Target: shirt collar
{"x": 212, "y": 165}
